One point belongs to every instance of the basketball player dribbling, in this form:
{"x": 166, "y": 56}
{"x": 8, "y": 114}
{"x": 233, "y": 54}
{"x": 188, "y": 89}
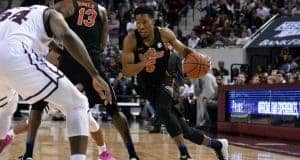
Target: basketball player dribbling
{"x": 25, "y": 33}
{"x": 145, "y": 55}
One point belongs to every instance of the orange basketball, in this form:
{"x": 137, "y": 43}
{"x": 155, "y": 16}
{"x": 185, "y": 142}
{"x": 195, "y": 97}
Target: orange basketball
{"x": 196, "y": 65}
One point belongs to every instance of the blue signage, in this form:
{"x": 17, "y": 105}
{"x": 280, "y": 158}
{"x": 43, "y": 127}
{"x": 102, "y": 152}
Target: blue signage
{"x": 264, "y": 102}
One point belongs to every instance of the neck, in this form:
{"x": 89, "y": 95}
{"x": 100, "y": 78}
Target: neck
{"x": 150, "y": 39}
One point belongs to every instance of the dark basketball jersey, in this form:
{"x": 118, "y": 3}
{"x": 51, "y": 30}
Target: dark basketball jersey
{"x": 158, "y": 76}
{"x": 86, "y": 23}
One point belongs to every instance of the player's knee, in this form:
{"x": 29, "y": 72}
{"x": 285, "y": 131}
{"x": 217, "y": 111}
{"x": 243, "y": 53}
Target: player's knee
{"x": 80, "y": 102}
{"x": 77, "y": 122}
{"x": 77, "y": 116}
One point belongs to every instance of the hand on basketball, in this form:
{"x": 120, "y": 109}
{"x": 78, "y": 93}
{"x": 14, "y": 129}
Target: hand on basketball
{"x": 197, "y": 65}
{"x": 150, "y": 57}
{"x": 103, "y": 89}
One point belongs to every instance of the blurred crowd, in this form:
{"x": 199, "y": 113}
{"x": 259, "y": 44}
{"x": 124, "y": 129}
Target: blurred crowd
{"x": 231, "y": 22}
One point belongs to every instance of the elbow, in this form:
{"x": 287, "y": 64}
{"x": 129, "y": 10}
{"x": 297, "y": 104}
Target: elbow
{"x": 65, "y": 36}
{"x": 126, "y": 73}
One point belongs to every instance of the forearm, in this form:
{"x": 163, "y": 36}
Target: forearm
{"x": 186, "y": 51}
{"x": 133, "y": 69}
{"x": 78, "y": 51}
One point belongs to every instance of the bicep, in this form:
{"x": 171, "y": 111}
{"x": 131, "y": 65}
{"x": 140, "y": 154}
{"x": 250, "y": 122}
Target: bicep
{"x": 178, "y": 46}
{"x": 171, "y": 38}
{"x": 57, "y": 24}
{"x": 127, "y": 55}
{"x": 127, "y": 58}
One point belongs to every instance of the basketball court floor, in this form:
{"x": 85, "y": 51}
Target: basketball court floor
{"x": 52, "y": 144}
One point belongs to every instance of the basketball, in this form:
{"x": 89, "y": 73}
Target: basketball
{"x": 196, "y": 65}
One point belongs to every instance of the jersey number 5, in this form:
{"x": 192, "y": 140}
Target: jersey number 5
{"x": 86, "y": 17}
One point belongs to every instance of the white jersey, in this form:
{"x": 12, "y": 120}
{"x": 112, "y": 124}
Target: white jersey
{"x": 23, "y": 71}
{"x": 25, "y": 25}
{"x": 24, "y": 45}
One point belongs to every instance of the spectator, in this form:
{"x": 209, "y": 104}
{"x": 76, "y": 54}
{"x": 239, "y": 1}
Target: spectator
{"x": 189, "y": 101}
{"x": 296, "y": 10}
{"x": 213, "y": 9}
{"x": 232, "y": 38}
{"x": 262, "y": 12}
{"x": 193, "y": 40}
{"x": 222, "y": 71}
{"x": 291, "y": 78}
{"x": 285, "y": 61}
{"x": 288, "y": 9}
{"x": 275, "y": 79}
{"x": 113, "y": 27}
{"x": 243, "y": 40}
{"x": 219, "y": 80}
{"x": 205, "y": 87}
{"x": 153, "y": 4}
{"x": 212, "y": 108}
{"x": 255, "y": 79}
{"x": 113, "y": 68}
{"x": 241, "y": 79}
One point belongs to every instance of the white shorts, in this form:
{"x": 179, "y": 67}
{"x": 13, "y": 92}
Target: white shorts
{"x": 22, "y": 69}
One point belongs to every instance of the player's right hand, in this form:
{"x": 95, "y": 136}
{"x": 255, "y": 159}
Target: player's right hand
{"x": 149, "y": 57}
{"x": 103, "y": 89}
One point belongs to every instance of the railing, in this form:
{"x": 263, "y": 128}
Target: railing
{"x": 260, "y": 30}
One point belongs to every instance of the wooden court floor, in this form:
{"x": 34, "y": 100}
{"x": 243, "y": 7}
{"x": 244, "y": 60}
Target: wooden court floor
{"x": 52, "y": 144}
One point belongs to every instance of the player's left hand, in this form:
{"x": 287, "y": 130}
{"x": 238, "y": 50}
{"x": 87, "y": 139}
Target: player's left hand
{"x": 103, "y": 89}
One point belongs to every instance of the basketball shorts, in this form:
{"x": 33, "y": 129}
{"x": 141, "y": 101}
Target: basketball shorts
{"x": 77, "y": 74}
{"x": 28, "y": 73}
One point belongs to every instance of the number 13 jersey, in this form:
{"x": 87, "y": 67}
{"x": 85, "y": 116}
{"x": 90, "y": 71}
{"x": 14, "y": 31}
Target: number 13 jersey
{"x": 86, "y": 22}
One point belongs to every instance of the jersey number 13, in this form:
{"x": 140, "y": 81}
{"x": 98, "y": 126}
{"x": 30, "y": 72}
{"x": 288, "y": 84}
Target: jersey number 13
{"x": 86, "y": 17}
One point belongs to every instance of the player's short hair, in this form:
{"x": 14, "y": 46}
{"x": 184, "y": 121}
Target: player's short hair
{"x": 144, "y": 10}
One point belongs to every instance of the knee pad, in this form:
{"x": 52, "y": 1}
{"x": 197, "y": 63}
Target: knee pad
{"x": 93, "y": 124}
{"x": 77, "y": 122}
{"x": 77, "y": 116}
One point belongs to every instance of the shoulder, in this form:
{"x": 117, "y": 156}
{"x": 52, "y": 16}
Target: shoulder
{"x": 102, "y": 12}
{"x": 167, "y": 35}
{"x": 65, "y": 7}
{"x": 51, "y": 13}
{"x": 131, "y": 36}
{"x": 101, "y": 8}
{"x": 130, "y": 41}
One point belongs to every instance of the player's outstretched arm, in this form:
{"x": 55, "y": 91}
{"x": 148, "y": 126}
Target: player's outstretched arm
{"x": 76, "y": 48}
{"x": 170, "y": 37}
